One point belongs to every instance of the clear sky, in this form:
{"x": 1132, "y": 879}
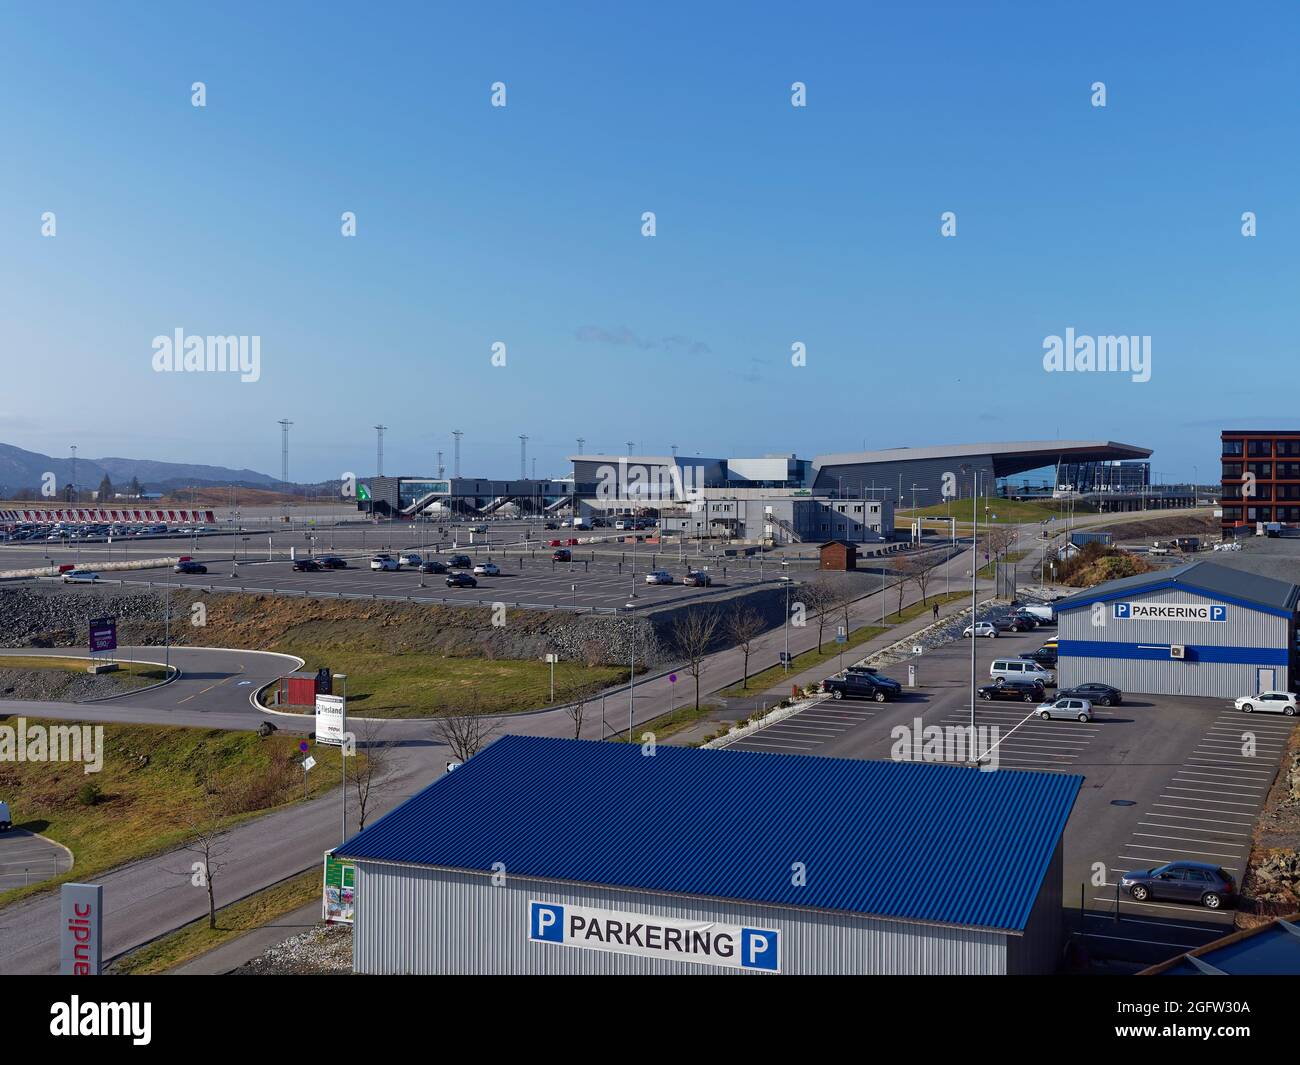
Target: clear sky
{"x": 522, "y": 225}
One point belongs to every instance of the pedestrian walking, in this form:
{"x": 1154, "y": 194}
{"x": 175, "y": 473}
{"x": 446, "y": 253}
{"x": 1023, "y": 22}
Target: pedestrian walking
{"x": 936, "y": 611}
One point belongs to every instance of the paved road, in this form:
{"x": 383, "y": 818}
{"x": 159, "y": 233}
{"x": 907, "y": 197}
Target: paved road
{"x": 26, "y": 858}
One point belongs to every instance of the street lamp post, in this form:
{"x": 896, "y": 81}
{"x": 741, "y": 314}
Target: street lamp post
{"x": 631, "y": 675}
{"x": 785, "y": 576}
{"x": 343, "y": 759}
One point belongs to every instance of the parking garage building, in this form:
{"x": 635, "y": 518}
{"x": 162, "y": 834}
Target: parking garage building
{"x": 556, "y": 856}
{"x": 1200, "y": 629}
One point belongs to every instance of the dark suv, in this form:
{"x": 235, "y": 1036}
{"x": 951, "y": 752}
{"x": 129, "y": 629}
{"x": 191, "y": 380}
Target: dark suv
{"x": 862, "y": 686}
{"x": 460, "y": 562}
{"x": 1024, "y": 691}
{"x": 1097, "y": 694}
{"x": 1207, "y": 885}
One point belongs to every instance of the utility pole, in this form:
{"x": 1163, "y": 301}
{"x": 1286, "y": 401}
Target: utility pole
{"x": 581, "y": 441}
{"x": 73, "y": 485}
{"x": 379, "y": 450}
{"x": 284, "y": 424}
{"x": 523, "y": 456}
{"x": 631, "y": 444}
{"x": 441, "y": 467}
{"x": 456, "y": 453}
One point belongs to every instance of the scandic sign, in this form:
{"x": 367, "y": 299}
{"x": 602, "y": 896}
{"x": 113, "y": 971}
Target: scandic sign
{"x": 1171, "y": 612}
{"x": 666, "y": 938}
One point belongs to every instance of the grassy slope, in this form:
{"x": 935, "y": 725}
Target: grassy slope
{"x": 146, "y": 808}
{"x": 1008, "y": 511}
{"x": 127, "y": 675}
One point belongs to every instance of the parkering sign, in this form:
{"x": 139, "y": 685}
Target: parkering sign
{"x": 1170, "y": 612}
{"x": 646, "y": 936}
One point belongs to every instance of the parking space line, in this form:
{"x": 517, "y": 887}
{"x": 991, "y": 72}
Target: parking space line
{"x": 1213, "y": 854}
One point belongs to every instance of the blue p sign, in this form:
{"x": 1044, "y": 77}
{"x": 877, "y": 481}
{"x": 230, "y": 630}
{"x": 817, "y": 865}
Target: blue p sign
{"x": 546, "y": 923}
{"x": 1218, "y": 613}
{"x": 760, "y": 949}
{"x": 1123, "y": 610}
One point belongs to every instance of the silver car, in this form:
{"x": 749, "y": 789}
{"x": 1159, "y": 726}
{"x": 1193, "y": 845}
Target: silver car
{"x": 1079, "y": 709}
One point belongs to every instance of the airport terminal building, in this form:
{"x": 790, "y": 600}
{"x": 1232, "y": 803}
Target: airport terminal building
{"x": 1199, "y": 629}
{"x": 522, "y": 861}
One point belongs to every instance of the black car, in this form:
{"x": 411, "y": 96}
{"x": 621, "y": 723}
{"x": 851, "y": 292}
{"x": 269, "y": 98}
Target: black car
{"x": 307, "y": 565}
{"x": 332, "y": 562}
{"x": 1044, "y": 656}
{"x": 432, "y": 566}
{"x": 189, "y": 567}
{"x": 1017, "y": 623}
{"x": 1198, "y": 882}
{"x": 1097, "y": 694}
{"x": 461, "y": 580}
{"x": 551, "y": 525}
{"x": 1030, "y": 621}
{"x": 862, "y": 686}
{"x": 1023, "y": 691}
{"x": 460, "y": 562}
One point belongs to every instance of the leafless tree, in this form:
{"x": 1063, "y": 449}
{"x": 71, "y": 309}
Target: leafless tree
{"x": 918, "y": 570}
{"x": 744, "y": 624}
{"x": 820, "y": 597}
{"x": 693, "y": 634}
{"x": 576, "y": 711}
{"x": 465, "y": 730}
{"x": 206, "y": 839}
{"x": 367, "y": 770}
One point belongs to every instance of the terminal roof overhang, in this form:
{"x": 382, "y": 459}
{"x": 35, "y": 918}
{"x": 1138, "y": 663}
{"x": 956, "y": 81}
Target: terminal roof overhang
{"x": 1008, "y": 458}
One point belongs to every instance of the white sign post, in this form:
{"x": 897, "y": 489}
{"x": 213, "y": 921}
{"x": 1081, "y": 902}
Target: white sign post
{"x": 331, "y": 719}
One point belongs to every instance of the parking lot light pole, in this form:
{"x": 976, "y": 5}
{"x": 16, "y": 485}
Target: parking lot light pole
{"x": 974, "y": 576}
{"x": 343, "y": 760}
{"x": 631, "y": 675}
{"x": 785, "y": 576}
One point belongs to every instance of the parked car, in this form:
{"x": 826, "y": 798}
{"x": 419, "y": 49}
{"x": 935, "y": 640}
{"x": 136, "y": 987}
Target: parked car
{"x": 571, "y": 542}
{"x": 659, "y": 576}
{"x": 698, "y": 579}
{"x": 6, "y": 819}
{"x": 1272, "y": 702}
{"x": 307, "y": 565}
{"x": 383, "y": 562}
{"x": 1009, "y": 669}
{"x": 1079, "y": 709}
{"x": 1020, "y": 623}
{"x": 562, "y": 555}
{"x": 1199, "y": 882}
{"x": 410, "y": 559}
{"x": 1022, "y": 691}
{"x": 80, "y": 576}
{"x": 189, "y": 566}
{"x": 432, "y": 565}
{"x": 487, "y": 569}
{"x": 332, "y": 562}
{"x": 861, "y": 686}
{"x": 1044, "y": 656}
{"x": 982, "y": 628}
{"x": 1097, "y": 694}
{"x": 1032, "y": 622}
{"x": 460, "y": 562}
{"x": 461, "y": 580}
{"x": 555, "y": 543}
{"x": 1042, "y": 611}
{"x": 551, "y": 525}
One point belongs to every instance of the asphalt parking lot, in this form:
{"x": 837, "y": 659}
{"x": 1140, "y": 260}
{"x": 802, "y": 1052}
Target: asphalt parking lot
{"x": 1164, "y": 778}
{"x": 602, "y": 584}
{"x": 27, "y": 859}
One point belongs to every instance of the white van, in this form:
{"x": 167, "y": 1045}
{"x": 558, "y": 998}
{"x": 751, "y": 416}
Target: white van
{"x": 1041, "y": 611}
{"x": 6, "y": 821}
{"x": 1021, "y": 669}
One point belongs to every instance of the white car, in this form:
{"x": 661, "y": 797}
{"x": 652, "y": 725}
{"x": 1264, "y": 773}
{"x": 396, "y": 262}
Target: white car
{"x": 1271, "y": 702}
{"x": 383, "y": 562}
{"x": 477, "y": 529}
{"x": 982, "y": 628}
{"x": 80, "y": 576}
{"x": 487, "y": 569}
{"x": 659, "y": 576}
{"x": 1079, "y": 709}
{"x": 1229, "y": 546}
{"x": 410, "y": 559}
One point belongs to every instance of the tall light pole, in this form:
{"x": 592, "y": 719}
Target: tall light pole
{"x": 631, "y": 674}
{"x": 456, "y": 453}
{"x": 974, "y": 577}
{"x": 73, "y": 485}
{"x": 523, "y": 456}
{"x": 284, "y": 424}
{"x": 343, "y": 759}
{"x": 785, "y": 576}
{"x": 379, "y": 449}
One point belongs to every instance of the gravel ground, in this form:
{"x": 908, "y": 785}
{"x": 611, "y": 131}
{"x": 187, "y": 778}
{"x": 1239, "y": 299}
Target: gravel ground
{"x": 324, "y": 950}
{"x": 64, "y": 686}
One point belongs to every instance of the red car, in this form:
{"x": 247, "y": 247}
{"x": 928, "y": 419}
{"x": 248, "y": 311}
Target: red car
{"x": 555, "y": 543}
{"x": 571, "y": 542}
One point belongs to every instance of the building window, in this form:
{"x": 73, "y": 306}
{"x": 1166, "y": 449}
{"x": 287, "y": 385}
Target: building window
{"x": 1289, "y": 448}
{"x": 1288, "y": 471}
{"x": 1261, "y": 469}
{"x": 1232, "y": 447}
{"x": 1259, "y": 448}
{"x": 1231, "y": 469}
{"x": 1259, "y": 513}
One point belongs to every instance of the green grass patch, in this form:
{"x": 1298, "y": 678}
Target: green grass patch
{"x": 232, "y": 921}
{"x": 411, "y": 684}
{"x": 773, "y": 675}
{"x": 156, "y": 783}
{"x": 917, "y": 609}
{"x": 669, "y": 724}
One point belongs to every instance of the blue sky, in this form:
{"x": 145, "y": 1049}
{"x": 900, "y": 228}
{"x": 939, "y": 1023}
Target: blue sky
{"x": 522, "y": 225}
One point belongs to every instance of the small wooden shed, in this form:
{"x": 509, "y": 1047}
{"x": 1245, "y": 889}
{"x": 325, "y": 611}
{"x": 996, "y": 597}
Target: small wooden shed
{"x": 839, "y": 555}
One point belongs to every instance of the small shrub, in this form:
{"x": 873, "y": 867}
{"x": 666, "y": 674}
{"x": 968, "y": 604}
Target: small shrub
{"x": 89, "y": 794}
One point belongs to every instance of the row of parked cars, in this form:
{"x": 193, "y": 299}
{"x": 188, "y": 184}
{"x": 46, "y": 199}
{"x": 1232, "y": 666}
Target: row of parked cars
{"x": 454, "y": 567}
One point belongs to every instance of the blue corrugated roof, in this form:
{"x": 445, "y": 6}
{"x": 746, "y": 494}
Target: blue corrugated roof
{"x": 917, "y": 841}
{"x": 1209, "y": 578}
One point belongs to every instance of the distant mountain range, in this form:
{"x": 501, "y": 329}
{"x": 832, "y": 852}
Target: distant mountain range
{"x": 21, "y": 469}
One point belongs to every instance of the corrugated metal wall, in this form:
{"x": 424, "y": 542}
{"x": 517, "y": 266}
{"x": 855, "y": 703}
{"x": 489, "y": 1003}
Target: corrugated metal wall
{"x": 1244, "y": 628}
{"x": 416, "y": 920}
{"x": 1039, "y": 949}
